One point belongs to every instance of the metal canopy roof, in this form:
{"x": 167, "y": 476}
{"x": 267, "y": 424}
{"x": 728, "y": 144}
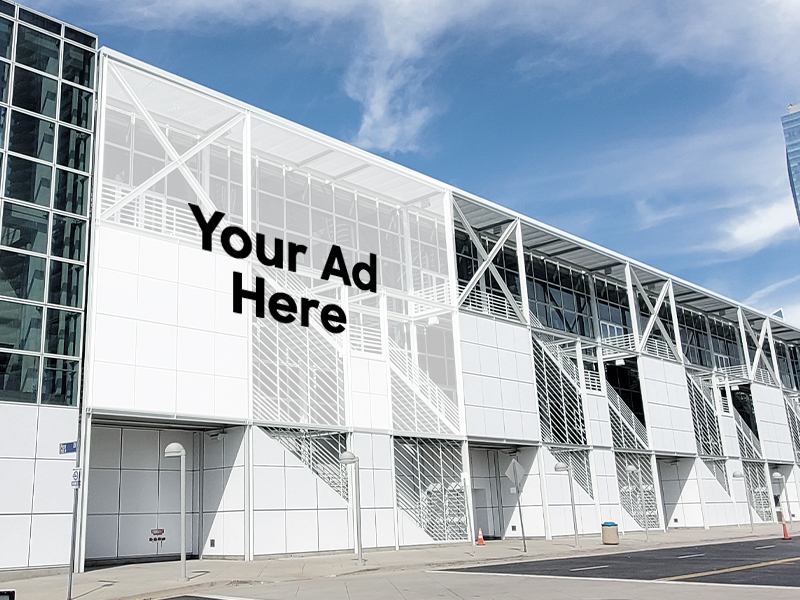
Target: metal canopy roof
{"x": 540, "y": 238}
{"x": 336, "y": 161}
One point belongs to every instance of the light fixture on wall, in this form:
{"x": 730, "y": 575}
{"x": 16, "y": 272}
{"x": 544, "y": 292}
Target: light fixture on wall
{"x": 620, "y": 362}
{"x": 217, "y": 434}
{"x": 433, "y": 321}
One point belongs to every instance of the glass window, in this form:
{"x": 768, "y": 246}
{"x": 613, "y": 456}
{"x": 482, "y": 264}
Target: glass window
{"x": 73, "y": 148}
{"x": 68, "y": 238}
{"x": 21, "y": 276}
{"x": 20, "y": 326}
{"x": 37, "y": 50}
{"x": 4, "y": 71}
{"x": 24, "y": 228}
{"x": 31, "y": 136}
{"x": 66, "y": 284}
{"x": 76, "y": 106}
{"x": 34, "y": 92}
{"x": 72, "y": 191}
{"x": 19, "y": 377}
{"x": 79, "y": 36}
{"x": 60, "y": 382}
{"x": 63, "y": 332}
{"x": 29, "y": 181}
{"x": 40, "y": 21}
{"x": 6, "y": 35}
{"x": 78, "y": 65}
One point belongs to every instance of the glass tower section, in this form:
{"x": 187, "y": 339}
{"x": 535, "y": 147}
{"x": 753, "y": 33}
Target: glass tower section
{"x": 47, "y": 107}
{"x": 791, "y": 131}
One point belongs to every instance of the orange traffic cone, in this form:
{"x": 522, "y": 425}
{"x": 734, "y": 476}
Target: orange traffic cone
{"x": 480, "y": 541}
{"x": 785, "y": 532}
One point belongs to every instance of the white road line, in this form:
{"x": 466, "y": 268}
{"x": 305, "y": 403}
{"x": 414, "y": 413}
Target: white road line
{"x": 589, "y": 568}
{"x": 765, "y": 547}
{"x": 617, "y": 580}
{"x": 691, "y": 556}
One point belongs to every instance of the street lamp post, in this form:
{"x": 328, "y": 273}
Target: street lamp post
{"x": 175, "y": 450}
{"x": 566, "y": 467}
{"x": 348, "y": 458}
{"x": 740, "y": 475}
{"x": 635, "y": 469}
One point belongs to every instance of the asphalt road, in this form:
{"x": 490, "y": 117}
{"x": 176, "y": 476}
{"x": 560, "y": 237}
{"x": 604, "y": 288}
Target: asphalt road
{"x": 761, "y": 562}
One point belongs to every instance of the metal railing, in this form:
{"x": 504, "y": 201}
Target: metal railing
{"x": 763, "y": 376}
{"x": 365, "y": 339}
{"x": 631, "y": 432}
{"x": 418, "y": 403}
{"x": 659, "y": 348}
{"x": 489, "y": 302}
{"x": 592, "y": 379}
{"x": 624, "y": 342}
{"x": 749, "y": 444}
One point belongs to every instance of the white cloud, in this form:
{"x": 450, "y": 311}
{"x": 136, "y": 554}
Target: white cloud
{"x": 759, "y": 295}
{"x": 761, "y": 226}
{"x": 396, "y": 47}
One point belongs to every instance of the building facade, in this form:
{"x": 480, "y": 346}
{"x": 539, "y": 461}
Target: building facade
{"x": 270, "y": 297}
{"x": 791, "y": 132}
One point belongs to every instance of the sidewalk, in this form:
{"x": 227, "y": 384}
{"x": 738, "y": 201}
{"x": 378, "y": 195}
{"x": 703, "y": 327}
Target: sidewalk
{"x": 160, "y": 580}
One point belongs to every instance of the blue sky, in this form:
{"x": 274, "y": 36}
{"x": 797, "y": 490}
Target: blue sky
{"x": 649, "y": 128}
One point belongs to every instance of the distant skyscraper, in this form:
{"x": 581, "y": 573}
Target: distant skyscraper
{"x": 791, "y": 131}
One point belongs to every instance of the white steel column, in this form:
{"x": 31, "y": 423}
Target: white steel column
{"x": 743, "y": 340}
{"x": 247, "y": 218}
{"x": 83, "y": 495}
{"x": 633, "y": 306}
{"x": 698, "y": 473}
{"x": 662, "y": 518}
{"x": 775, "y": 366}
{"x": 675, "y": 324}
{"x": 466, "y": 478}
{"x": 523, "y": 278}
{"x": 248, "y": 492}
{"x": 548, "y": 533}
{"x": 395, "y": 507}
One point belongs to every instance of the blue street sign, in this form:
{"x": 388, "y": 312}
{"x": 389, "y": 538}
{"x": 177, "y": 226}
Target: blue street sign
{"x": 68, "y": 447}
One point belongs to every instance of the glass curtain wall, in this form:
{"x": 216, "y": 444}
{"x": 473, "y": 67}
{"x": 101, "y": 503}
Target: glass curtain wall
{"x": 612, "y": 308}
{"x": 559, "y": 296}
{"x": 47, "y": 81}
{"x": 694, "y": 336}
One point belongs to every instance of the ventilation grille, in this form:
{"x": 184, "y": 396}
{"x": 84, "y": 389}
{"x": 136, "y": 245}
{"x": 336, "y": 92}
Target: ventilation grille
{"x": 560, "y": 407}
{"x": 794, "y": 424}
{"x": 760, "y": 494}
{"x": 319, "y": 451}
{"x": 629, "y": 495}
{"x": 429, "y": 486}
{"x": 717, "y": 467}
{"x": 581, "y": 470}
{"x": 706, "y": 425}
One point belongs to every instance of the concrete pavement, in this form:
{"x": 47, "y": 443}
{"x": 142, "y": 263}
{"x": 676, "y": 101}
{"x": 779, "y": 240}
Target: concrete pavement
{"x": 338, "y": 576}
